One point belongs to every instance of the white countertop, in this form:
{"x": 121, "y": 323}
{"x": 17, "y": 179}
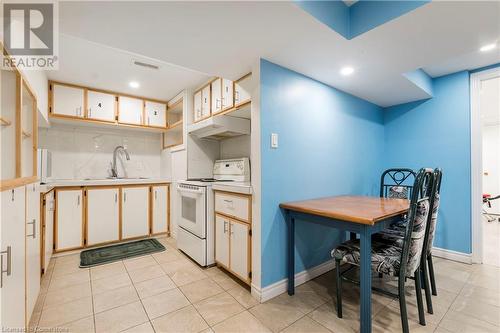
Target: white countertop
{"x": 236, "y": 187}
{"x": 98, "y": 182}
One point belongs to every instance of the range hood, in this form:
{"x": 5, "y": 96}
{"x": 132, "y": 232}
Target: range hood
{"x": 220, "y": 127}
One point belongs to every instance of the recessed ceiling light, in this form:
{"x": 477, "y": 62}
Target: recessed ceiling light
{"x": 134, "y": 84}
{"x": 488, "y": 47}
{"x": 347, "y": 71}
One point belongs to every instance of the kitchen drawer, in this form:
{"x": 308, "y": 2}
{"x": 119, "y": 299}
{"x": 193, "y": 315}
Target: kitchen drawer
{"x": 237, "y": 206}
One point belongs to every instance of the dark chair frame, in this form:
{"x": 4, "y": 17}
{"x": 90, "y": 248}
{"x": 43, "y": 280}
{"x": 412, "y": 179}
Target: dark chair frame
{"x": 426, "y": 260}
{"x": 424, "y": 187}
{"x": 398, "y": 176}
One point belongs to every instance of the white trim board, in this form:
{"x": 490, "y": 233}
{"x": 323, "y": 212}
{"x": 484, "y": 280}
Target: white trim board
{"x": 476, "y": 161}
{"x": 465, "y": 258}
{"x": 281, "y": 286}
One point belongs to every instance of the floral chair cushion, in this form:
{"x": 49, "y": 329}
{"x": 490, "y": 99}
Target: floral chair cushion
{"x": 398, "y": 192}
{"x": 387, "y": 246}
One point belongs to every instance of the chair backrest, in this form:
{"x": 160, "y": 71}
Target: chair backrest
{"x": 416, "y": 227}
{"x": 397, "y": 183}
{"x": 432, "y": 219}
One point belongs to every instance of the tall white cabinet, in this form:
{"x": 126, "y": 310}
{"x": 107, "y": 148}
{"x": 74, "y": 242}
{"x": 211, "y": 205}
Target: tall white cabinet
{"x": 135, "y": 211}
{"x": 69, "y": 219}
{"x": 12, "y": 252}
{"x": 102, "y": 215}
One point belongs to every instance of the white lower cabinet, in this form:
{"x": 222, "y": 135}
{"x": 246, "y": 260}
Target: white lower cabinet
{"x": 222, "y": 240}
{"x": 102, "y": 215}
{"x": 239, "y": 248}
{"x": 12, "y": 252}
{"x": 232, "y": 246}
{"x": 69, "y": 219}
{"x": 160, "y": 209}
{"x": 32, "y": 247}
{"x": 49, "y": 204}
{"x": 135, "y": 211}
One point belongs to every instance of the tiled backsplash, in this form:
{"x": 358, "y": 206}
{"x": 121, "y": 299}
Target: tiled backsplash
{"x": 79, "y": 153}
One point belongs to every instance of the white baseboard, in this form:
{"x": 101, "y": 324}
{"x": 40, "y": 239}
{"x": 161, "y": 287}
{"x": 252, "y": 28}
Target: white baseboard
{"x": 466, "y": 258}
{"x": 280, "y": 287}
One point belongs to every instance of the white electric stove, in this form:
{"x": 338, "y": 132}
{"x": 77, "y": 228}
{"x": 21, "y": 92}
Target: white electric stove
{"x": 195, "y": 235}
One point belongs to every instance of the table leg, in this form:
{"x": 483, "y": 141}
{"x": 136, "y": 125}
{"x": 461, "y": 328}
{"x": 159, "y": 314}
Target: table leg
{"x": 365, "y": 281}
{"x": 291, "y": 254}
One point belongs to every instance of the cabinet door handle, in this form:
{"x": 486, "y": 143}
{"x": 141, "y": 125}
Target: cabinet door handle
{"x": 225, "y": 226}
{"x": 33, "y": 225}
{"x": 156, "y": 194}
{"x": 124, "y": 196}
{"x": 116, "y": 197}
{"x": 90, "y": 112}
{"x": 237, "y": 96}
{"x": 8, "y": 252}
{"x": 78, "y": 200}
{"x": 148, "y": 120}
{"x": 217, "y": 101}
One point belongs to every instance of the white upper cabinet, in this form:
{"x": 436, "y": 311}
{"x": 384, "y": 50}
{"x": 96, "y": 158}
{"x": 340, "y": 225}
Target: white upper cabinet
{"x": 227, "y": 94}
{"x": 216, "y": 95}
{"x": 101, "y": 106}
{"x": 156, "y": 114}
{"x": 67, "y": 100}
{"x": 102, "y": 215}
{"x": 205, "y": 102}
{"x": 130, "y": 110}
{"x": 242, "y": 88}
{"x": 197, "y": 106}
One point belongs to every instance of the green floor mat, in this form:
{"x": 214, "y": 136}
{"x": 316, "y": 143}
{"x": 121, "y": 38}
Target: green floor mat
{"x": 107, "y": 254}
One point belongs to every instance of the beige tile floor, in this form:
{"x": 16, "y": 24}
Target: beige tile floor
{"x": 166, "y": 292}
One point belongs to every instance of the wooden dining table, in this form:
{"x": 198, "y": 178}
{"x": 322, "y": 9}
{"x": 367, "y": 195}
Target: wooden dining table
{"x": 362, "y": 215}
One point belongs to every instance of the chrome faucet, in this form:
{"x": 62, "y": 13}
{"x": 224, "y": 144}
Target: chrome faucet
{"x": 114, "y": 171}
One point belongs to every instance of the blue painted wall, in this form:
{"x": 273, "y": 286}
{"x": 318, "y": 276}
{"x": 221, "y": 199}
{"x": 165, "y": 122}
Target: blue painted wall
{"x": 436, "y": 132}
{"x": 421, "y": 79}
{"x": 330, "y": 143}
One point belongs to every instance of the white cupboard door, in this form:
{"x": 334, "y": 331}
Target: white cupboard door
{"x": 69, "y": 213}
{"x": 101, "y": 106}
{"x": 242, "y": 90}
{"x": 156, "y": 114}
{"x": 130, "y": 110}
{"x": 135, "y": 212}
{"x": 12, "y": 253}
{"x": 216, "y": 96}
{"x": 48, "y": 228}
{"x": 197, "y": 106}
{"x": 67, "y": 101}
{"x": 102, "y": 215}
{"x": 222, "y": 240}
{"x": 239, "y": 249}
{"x": 206, "y": 97}
{"x": 32, "y": 247}
{"x": 227, "y": 94}
{"x": 160, "y": 209}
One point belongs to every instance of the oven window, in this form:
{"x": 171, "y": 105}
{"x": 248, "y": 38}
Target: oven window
{"x": 189, "y": 209}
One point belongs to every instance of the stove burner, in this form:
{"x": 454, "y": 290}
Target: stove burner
{"x": 209, "y": 180}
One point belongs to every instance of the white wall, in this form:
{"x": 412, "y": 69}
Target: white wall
{"x": 79, "y": 153}
{"x": 235, "y": 147}
{"x": 491, "y": 164}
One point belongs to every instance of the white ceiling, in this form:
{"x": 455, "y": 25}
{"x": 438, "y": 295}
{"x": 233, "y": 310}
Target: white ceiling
{"x": 226, "y": 38}
{"x": 99, "y": 66}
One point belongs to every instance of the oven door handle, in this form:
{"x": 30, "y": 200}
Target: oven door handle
{"x": 182, "y": 189}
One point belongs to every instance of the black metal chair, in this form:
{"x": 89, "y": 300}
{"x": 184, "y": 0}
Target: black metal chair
{"x": 391, "y": 259}
{"x": 395, "y": 234}
{"x": 397, "y": 183}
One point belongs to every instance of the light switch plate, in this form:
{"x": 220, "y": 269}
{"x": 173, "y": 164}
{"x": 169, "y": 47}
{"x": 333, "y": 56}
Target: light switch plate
{"x": 274, "y": 140}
